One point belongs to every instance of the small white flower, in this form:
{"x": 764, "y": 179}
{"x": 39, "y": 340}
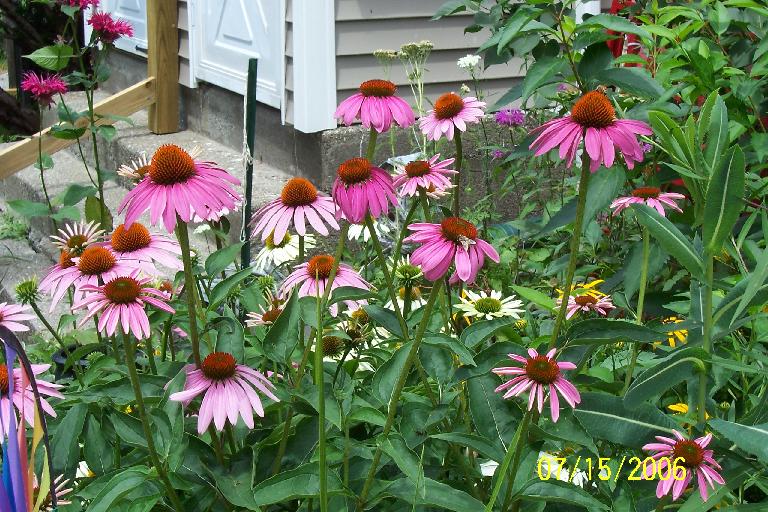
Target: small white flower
{"x": 417, "y": 300}
{"x": 550, "y": 466}
{"x": 273, "y": 255}
{"x": 469, "y": 61}
{"x": 356, "y": 231}
{"x": 465, "y": 89}
{"x": 486, "y": 307}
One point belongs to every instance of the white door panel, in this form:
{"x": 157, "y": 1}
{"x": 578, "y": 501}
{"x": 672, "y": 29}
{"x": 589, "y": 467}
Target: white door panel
{"x": 133, "y": 11}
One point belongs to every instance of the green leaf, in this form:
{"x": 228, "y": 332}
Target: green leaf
{"x": 283, "y": 336}
{"x": 606, "y": 417}
{"x": 544, "y": 71}
{"x": 714, "y": 122}
{"x": 615, "y": 23}
{"x": 296, "y": 483}
{"x": 724, "y": 200}
{"x": 452, "y": 344}
{"x": 438, "y": 496}
{"x": 29, "y": 209}
{"x": 394, "y": 446}
{"x": 53, "y": 58}
{"x": 540, "y": 299}
{"x": 750, "y": 438}
{"x": 596, "y": 58}
{"x": 386, "y": 376}
{"x": 349, "y": 293}
{"x": 66, "y": 213}
{"x": 604, "y": 186}
{"x": 385, "y": 318}
{"x": 66, "y": 132}
{"x": 225, "y": 287}
{"x": 520, "y": 21}
{"x": 93, "y": 211}
{"x": 478, "y": 332}
{"x": 64, "y": 442}
{"x": 668, "y": 372}
{"x": 635, "y": 81}
{"x": 555, "y": 491}
{"x": 671, "y": 239}
{"x": 474, "y": 442}
{"x": 74, "y": 193}
{"x": 755, "y": 282}
{"x": 719, "y": 18}
{"x": 450, "y": 7}
{"x": 118, "y": 486}
{"x": 600, "y": 331}
{"x": 230, "y": 336}
{"x": 107, "y": 131}
{"x": 221, "y": 259}
{"x": 494, "y": 418}
{"x": 368, "y": 415}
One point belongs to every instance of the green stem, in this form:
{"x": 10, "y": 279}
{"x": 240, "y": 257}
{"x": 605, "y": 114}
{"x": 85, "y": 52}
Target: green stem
{"x": 511, "y": 459}
{"x": 640, "y": 305}
{"x": 403, "y": 232}
{"x": 398, "y": 389}
{"x": 320, "y": 385}
{"x": 65, "y": 350}
{"x": 41, "y": 168}
{"x": 575, "y": 243}
{"x": 151, "y": 355}
{"x": 371, "y": 151}
{"x": 182, "y": 234}
{"x": 425, "y": 205}
{"x": 130, "y": 362}
{"x": 457, "y": 176}
{"x": 707, "y": 342}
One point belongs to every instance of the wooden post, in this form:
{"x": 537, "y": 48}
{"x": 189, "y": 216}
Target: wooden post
{"x": 163, "y": 64}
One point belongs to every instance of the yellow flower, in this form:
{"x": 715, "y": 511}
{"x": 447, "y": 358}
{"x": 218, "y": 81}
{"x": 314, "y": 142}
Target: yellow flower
{"x": 675, "y": 336}
{"x": 521, "y": 324}
{"x": 128, "y": 409}
{"x": 681, "y": 408}
{"x": 585, "y": 289}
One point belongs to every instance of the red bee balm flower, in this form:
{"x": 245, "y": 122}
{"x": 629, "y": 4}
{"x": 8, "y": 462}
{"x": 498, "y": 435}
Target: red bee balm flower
{"x": 43, "y": 88}
{"x": 592, "y": 119}
{"x": 110, "y": 29}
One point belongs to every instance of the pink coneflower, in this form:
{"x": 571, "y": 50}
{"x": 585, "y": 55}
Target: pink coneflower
{"x": 454, "y": 240}
{"x": 138, "y": 244}
{"x": 83, "y": 4}
{"x": 538, "y": 373}
{"x": 229, "y": 390}
{"x": 178, "y": 185}
{"x": 361, "y": 188}
{"x": 109, "y": 29}
{"x": 376, "y": 106}
{"x": 510, "y": 117}
{"x": 43, "y": 88}
{"x": 76, "y": 237}
{"x": 424, "y": 174}
{"x": 23, "y": 398}
{"x": 451, "y": 111}
{"x": 586, "y": 303}
{"x": 266, "y": 316}
{"x": 593, "y": 119}
{"x": 96, "y": 264}
{"x": 688, "y": 457}
{"x": 12, "y": 314}
{"x": 298, "y": 203}
{"x": 123, "y": 299}
{"x": 313, "y": 275}
{"x": 652, "y": 196}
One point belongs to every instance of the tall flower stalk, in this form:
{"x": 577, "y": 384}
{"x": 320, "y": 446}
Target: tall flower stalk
{"x": 190, "y": 287}
{"x": 640, "y": 303}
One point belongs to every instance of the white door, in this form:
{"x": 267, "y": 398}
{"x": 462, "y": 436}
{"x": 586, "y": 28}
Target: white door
{"x": 133, "y": 11}
{"x": 229, "y": 32}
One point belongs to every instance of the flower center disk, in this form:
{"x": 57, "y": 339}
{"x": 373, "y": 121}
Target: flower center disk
{"x": 593, "y": 110}
{"x": 488, "y": 305}
{"x": 3, "y": 380}
{"x": 332, "y": 346}
{"x": 270, "y": 241}
{"x": 691, "y": 453}
{"x": 378, "y": 88}
{"x": 417, "y": 168}
{"x": 646, "y": 192}
{"x": 96, "y": 260}
{"x": 76, "y": 241}
{"x": 585, "y": 300}
{"x": 271, "y": 315}
{"x": 65, "y": 259}
{"x": 320, "y": 266}
{"x": 354, "y": 170}
{"x": 219, "y": 366}
{"x": 448, "y": 105}
{"x": 542, "y": 369}
{"x": 122, "y": 290}
{"x": 170, "y": 165}
{"x": 298, "y": 192}
{"x": 454, "y": 228}
{"x": 132, "y": 239}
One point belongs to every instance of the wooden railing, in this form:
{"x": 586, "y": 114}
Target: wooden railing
{"x": 159, "y": 93}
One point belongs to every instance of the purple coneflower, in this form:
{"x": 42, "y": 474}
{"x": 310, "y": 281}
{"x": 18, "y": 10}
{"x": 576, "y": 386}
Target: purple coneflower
{"x": 538, "y": 374}
{"x": 361, "y": 189}
{"x": 427, "y": 174}
{"x": 122, "y": 300}
{"x": 23, "y": 398}
{"x": 43, "y": 88}
{"x": 229, "y": 390}
{"x": 592, "y": 119}
{"x": 586, "y": 303}
{"x": 652, "y": 196}
{"x": 376, "y": 106}
{"x": 312, "y": 278}
{"x": 689, "y": 458}
{"x": 138, "y": 244}
{"x": 454, "y": 240}
{"x": 510, "y": 117}
{"x": 298, "y": 203}
{"x": 450, "y": 112}
{"x": 109, "y": 29}
{"x": 12, "y": 314}
{"x": 178, "y": 185}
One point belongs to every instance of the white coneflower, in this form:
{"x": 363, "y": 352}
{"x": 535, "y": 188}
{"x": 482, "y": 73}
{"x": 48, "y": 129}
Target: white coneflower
{"x": 272, "y": 255}
{"x": 136, "y": 169}
{"x": 358, "y": 231}
{"x": 484, "y": 306}
{"x": 417, "y": 300}
{"x": 75, "y": 237}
